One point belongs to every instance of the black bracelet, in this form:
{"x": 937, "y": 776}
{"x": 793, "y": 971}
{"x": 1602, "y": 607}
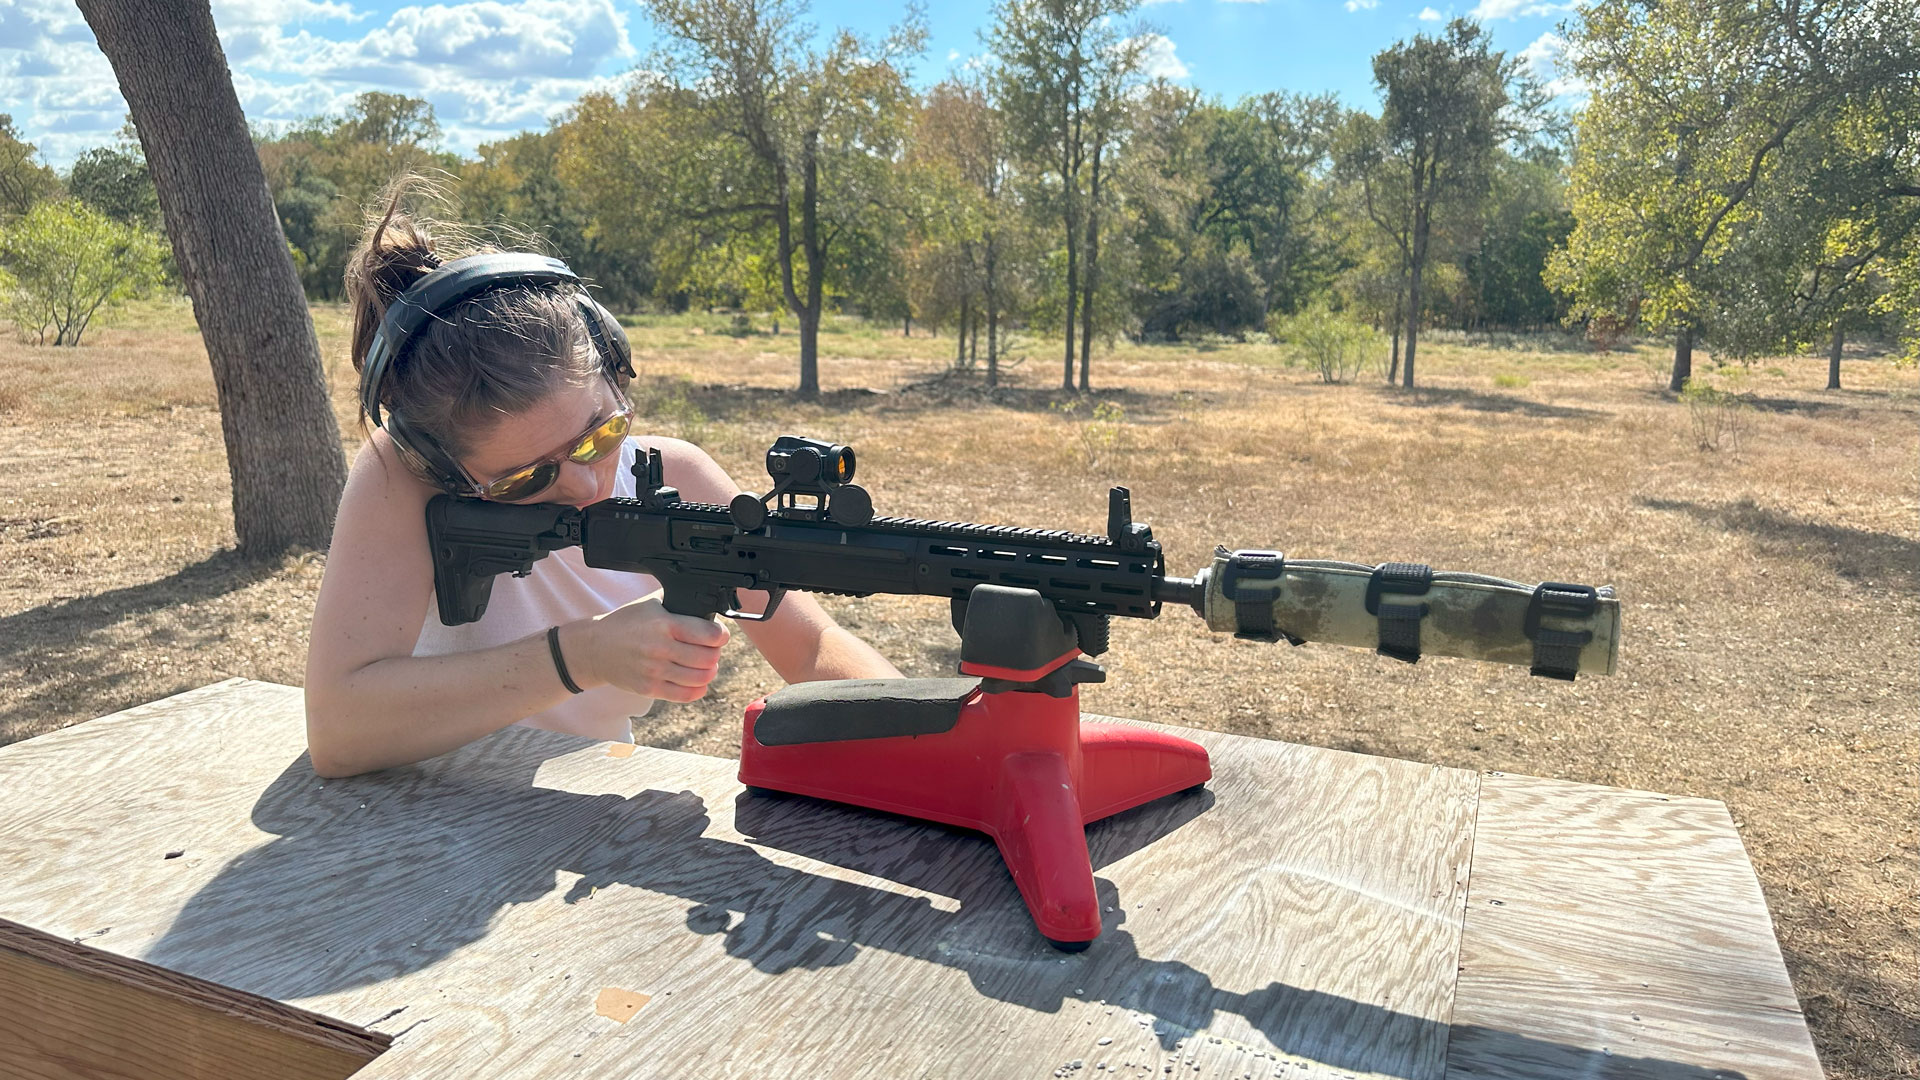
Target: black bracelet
{"x": 559, "y": 662}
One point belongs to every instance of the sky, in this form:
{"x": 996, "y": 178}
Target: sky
{"x": 491, "y": 68}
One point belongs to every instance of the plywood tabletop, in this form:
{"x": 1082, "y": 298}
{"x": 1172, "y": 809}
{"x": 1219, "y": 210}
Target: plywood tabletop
{"x": 539, "y": 905}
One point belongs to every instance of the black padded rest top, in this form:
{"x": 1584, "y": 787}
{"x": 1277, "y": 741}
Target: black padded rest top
{"x": 841, "y": 709}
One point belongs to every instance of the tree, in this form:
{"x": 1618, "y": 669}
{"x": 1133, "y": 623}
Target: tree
{"x": 1526, "y": 219}
{"x": 283, "y": 442}
{"x": 69, "y": 262}
{"x": 758, "y": 134}
{"x": 1227, "y": 209}
{"x": 23, "y": 179}
{"x": 1841, "y": 206}
{"x": 327, "y": 172}
{"x": 967, "y": 233}
{"x": 1065, "y": 70}
{"x": 1369, "y": 169}
{"x": 1441, "y": 120}
{"x": 116, "y": 183}
{"x": 1695, "y": 106}
{"x": 517, "y": 184}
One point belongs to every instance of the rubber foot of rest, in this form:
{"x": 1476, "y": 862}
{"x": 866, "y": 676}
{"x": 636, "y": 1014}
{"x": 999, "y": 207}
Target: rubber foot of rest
{"x": 1069, "y": 946}
{"x": 764, "y": 792}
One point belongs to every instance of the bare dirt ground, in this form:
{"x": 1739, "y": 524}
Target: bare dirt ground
{"x": 1771, "y": 592}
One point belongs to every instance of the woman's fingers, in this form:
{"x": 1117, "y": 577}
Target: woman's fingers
{"x": 702, "y": 632}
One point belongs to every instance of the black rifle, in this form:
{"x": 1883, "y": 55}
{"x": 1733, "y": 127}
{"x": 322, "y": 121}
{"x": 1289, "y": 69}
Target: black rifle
{"x": 703, "y": 554}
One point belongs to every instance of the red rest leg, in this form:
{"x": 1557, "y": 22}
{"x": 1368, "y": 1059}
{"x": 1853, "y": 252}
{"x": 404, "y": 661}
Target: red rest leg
{"x": 1128, "y": 766}
{"x": 1043, "y": 839}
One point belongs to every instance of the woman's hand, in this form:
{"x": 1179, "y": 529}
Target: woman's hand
{"x": 643, "y": 648}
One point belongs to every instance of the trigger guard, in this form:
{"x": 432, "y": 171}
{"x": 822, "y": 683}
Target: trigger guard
{"x": 733, "y": 606}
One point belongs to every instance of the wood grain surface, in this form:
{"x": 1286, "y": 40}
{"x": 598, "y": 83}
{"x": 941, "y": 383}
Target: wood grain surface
{"x": 1301, "y": 917}
{"x": 68, "y": 1010}
{"x": 1615, "y": 933}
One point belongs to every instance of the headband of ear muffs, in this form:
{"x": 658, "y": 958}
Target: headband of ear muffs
{"x": 434, "y": 296}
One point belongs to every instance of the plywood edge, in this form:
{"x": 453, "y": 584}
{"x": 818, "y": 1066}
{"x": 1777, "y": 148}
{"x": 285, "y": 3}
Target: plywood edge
{"x": 1578, "y": 787}
{"x": 172, "y": 702}
{"x": 74, "y": 1004}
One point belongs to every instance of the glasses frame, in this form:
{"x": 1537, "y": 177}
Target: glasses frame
{"x": 559, "y": 456}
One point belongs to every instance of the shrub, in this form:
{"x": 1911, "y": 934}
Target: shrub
{"x": 69, "y": 262}
{"x": 1511, "y": 382}
{"x": 1718, "y": 417}
{"x": 1100, "y": 435}
{"x": 1336, "y": 345}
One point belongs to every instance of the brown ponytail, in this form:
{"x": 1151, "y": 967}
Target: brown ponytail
{"x": 499, "y": 353}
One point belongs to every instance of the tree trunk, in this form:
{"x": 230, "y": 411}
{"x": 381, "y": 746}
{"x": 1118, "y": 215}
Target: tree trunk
{"x": 1416, "y": 266}
{"x": 1413, "y": 325}
{"x": 1682, "y": 359}
{"x": 993, "y": 345}
{"x": 1092, "y": 273}
{"x": 1073, "y": 297}
{"x": 276, "y": 416}
{"x": 816, "y": 268}
{"x": 906, "y": 325}
{"x": 973, "y": 347}
{"x": 1833, "y": 358}
{"x": 1399, "y": 309}
{"x": 960, "y": 336}
{"x": 993, "y": 322}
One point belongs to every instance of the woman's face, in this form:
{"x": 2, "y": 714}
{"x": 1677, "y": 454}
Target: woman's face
{"x": 550, "y": 428}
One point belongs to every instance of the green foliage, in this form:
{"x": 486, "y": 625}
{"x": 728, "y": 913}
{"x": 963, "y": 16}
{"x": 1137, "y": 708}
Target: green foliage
{"x": 1508, "y": 381}
{"x": 1526, "y": 218}
{"x": 327, "y": 173}
{"x": 1423, "y": 169}
{"x": 68, "y": 262}
{"x": 24, "y": 180}
{"x": 115, "y": 182}
{"x": 1702, "y": 114}
{"x": 1066, "y": 73}
{"x": 1338, "y": 346}
{"x": 515, "y": 187}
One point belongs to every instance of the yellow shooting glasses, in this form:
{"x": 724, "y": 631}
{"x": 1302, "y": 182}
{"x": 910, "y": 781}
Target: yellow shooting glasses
{"x": 603, "y": 438}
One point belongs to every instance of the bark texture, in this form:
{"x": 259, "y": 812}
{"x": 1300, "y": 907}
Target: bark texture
{"x": 1682, "y": 359}
{"x": 283, "y": 443}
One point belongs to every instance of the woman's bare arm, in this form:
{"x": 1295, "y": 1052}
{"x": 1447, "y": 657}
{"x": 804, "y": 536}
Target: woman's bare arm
{"x": 372, "y": 704}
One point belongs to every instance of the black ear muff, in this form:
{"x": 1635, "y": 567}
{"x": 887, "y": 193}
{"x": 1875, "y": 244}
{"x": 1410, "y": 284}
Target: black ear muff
{"x": 609, "y": 337}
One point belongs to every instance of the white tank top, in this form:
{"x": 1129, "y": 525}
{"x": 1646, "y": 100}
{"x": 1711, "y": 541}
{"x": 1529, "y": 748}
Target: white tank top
{"x": 560, "y": 589}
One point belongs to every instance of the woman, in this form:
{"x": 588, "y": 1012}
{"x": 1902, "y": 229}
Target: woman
{"x": 519, "y": 396}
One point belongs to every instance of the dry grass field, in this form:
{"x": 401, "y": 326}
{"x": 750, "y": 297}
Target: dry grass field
{"x": 1771, "y": 589}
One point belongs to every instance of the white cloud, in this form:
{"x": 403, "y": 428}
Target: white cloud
{"x": 1545, "y": 60}
{"x": 488, "y": 67}
{"x": 1157, "y": 59}
{"x": 1513, "y": 9}
{"x": 1427, "y": 14}
{"x": 228, "y": 14}
{"x": 1362, "y": 5}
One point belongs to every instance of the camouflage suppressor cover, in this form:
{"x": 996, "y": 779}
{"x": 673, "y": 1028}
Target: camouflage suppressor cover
{"x": 1468, "y": 615}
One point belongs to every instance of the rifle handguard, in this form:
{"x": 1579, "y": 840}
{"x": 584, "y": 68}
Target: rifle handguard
{"x": 1555, "y": 629}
